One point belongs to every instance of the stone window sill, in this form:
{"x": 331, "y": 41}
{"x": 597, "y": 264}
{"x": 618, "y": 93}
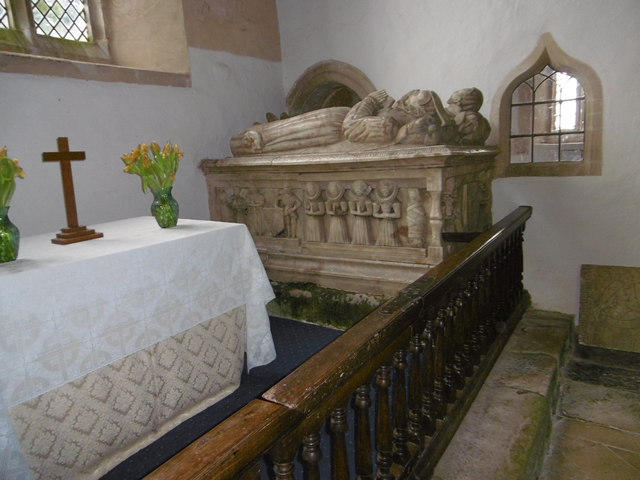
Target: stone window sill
{"x": 13, "y": 62}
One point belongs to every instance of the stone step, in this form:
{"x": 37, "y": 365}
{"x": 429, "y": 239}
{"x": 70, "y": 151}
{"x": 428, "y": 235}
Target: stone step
{"x": 505, "y": 434}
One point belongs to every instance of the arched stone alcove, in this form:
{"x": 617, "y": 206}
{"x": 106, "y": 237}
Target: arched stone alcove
{"x": 328, "y": 84}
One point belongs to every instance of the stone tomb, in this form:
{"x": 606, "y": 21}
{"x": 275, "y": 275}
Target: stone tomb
{"x": 369, "y": 220}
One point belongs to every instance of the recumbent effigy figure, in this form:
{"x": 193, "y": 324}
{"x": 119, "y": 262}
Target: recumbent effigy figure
{"x": 418, "y": 118}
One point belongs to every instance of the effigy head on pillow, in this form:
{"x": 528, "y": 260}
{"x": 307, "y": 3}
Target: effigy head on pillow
{"x": 377, "y": 121}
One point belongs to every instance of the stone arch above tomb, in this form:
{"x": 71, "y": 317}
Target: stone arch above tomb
{"x": 329, "y": 83}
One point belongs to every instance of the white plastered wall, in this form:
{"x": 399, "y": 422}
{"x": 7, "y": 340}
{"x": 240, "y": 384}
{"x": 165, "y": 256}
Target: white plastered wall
{"x": 106, "y": 120}
{"x": 444, "y": 45}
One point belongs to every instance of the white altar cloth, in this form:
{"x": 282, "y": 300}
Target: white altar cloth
{"x": 68, "y": 310}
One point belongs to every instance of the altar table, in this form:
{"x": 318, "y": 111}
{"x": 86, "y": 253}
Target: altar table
{"x": 135, "y": 323}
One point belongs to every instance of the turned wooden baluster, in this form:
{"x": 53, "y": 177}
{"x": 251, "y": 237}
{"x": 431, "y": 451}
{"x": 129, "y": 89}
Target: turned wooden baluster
{"x": 282, "y": 457}
{"x": 439, "y": 359}
{"x": 516, "y": 268}
{"x": 384, "y": 452}
{"x": 453, "y": 372}
{"x": 485, "y": 296}
{"x": 509, "y": 255}
{"x": 415, "y": 425}
{"x": 430, "y": 404}
{"x": 494, "y": 291}
{"x": 467, "y": 315}
{"x": 458, "y": 366}
{"x": 509, "y": 259}
{"x": 312, "y": 454}
{"x": 364, "y": 465}
{"x": 501, "y": 287}
{"x": 476, "y": 319}
{"x": 449, "y": 387}
{"x": 338, "y": 428}
{"x": 400, "y": 449}
{"x": 507, "y": 275}
{"x": 519, "y": 263}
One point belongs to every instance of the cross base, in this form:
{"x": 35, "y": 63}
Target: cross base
{"x": 74, "y": 235}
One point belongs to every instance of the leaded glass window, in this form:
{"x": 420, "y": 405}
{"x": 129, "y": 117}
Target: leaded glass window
{"x": 548, "y": 112}
{"x": 61, "y": 19}
{"x": 4, "y": 15}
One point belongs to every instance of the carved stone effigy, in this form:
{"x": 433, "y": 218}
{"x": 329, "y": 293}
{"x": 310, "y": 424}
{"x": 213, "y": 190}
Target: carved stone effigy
{"x": 358, "y": 198}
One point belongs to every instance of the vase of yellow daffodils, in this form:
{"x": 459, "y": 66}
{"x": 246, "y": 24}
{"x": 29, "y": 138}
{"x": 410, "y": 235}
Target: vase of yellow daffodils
{"x": 9, "y": 233}
{"x": 157, "y": 167}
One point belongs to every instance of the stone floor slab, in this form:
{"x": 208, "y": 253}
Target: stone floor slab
{"x": 610, "y": 437}
{"x": 541, "y": 332}
{"x": 505, "y": 432}
{"x": 502, "y": 433}
{"x": 582, "y": 451}
{"x": 602, "y": 405}
{"x": 532, "y": 372}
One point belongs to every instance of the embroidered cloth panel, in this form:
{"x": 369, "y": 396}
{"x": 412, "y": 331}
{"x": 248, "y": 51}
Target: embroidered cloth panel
{"x": 66, "y": 311}
{"x": 84, "y": 428}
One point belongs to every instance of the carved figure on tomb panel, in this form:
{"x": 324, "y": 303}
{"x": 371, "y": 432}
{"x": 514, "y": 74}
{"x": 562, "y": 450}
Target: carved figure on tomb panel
{"x": 237, "y": 204}
{"x": 289, "y": 203}
{"x": 314, "y": 209}
{"x": 387, "y": 209}
{"x": 416, "y": 218}
{"x": 337, "y": 208}
{"x": 455, "y": 201}
{"x": 361, "y": 207}
{"x": 417, "y": 118}
{"x": 222, "y": 196}
{"x": 255, "y": 204}
{"x": 272, "y": 216}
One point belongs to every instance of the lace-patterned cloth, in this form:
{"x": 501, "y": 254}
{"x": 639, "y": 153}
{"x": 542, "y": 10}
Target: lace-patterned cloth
{"x": 70, "y": 310}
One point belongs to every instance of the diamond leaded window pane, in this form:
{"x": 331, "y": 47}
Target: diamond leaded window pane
{"x": 61, "y": 19}
{"x": 4, "y": 15}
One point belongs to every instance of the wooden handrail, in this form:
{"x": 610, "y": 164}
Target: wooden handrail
{"x": 426, "y": 352}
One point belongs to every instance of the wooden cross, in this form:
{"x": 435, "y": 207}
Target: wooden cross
{"x": 75, "y": 233}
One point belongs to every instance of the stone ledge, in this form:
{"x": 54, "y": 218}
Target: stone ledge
{"x": 505, "y": 434}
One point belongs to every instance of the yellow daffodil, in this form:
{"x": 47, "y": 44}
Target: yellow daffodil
{"x": 156, "y": 166}
{"x": 9, "y": 170}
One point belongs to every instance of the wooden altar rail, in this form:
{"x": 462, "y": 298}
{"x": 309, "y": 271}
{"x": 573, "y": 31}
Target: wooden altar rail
{"x": 421, "y": 358}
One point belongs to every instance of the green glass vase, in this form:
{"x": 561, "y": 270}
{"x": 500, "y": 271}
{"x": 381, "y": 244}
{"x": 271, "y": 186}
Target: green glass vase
{"x": 9, "y": 237}
{"x": 164, "y": 207}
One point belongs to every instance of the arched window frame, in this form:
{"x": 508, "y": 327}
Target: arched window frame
{"x": 549, "y": 53}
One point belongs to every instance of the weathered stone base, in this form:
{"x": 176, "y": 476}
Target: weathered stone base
{"x": 324, "y": 306}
